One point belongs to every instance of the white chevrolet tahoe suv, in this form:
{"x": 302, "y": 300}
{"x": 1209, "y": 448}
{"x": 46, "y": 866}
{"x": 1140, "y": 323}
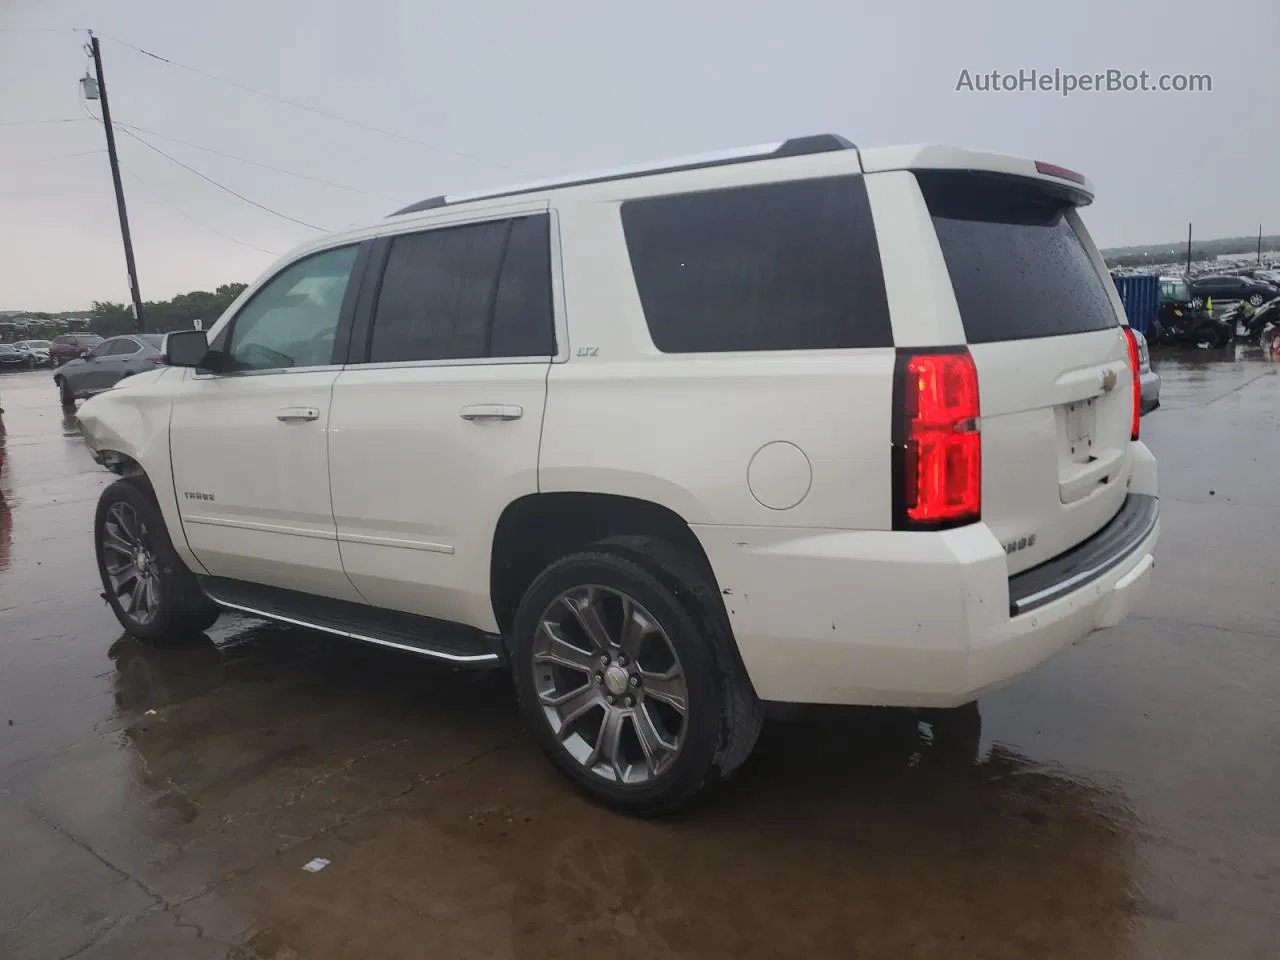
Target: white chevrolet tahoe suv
{"x": 802, "y": 424}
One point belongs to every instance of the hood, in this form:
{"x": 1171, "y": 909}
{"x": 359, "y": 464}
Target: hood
{"x": 143, "y": 379}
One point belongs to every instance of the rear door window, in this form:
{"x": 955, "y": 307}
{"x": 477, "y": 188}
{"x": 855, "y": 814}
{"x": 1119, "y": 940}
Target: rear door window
{"x": 779, "y": 266}
{"x": 1018, "y": 267}
{"x": 466, "y": 292}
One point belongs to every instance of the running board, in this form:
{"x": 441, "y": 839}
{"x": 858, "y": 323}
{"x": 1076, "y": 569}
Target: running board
{"x": 441, "y": 640}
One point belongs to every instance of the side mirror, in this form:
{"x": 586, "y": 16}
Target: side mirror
{"x": 186, "y": 348}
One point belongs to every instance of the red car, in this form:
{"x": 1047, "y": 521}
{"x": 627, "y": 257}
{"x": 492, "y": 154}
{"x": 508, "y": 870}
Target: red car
{"x": 72, "y": 346}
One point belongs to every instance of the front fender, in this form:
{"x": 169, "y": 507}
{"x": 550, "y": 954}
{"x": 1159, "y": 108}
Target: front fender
{"x": 127, "y": 430}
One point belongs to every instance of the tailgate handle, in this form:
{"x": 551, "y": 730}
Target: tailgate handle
{"x": 297, "y": 414}
{"x": 492, "y": 411}
{"x": 1091, "y": 382}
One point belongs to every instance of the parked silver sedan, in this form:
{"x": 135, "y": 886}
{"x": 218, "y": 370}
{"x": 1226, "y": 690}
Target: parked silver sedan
{"x": 107, "y": 364}
{"x": 1149, "y": 379}
{"x": 36, "y": 352}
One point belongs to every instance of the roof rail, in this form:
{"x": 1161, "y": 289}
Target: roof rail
{"x": 794, "y": 147}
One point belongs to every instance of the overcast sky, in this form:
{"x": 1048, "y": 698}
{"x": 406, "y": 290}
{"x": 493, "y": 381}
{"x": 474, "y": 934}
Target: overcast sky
{"x": 498, "y": 91}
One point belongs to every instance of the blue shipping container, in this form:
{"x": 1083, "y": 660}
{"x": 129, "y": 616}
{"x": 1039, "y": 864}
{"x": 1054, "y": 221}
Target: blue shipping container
{"x": 1141, "y": 299}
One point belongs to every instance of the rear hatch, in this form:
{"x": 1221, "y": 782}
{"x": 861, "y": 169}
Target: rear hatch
{"x": 1043, "y": 326}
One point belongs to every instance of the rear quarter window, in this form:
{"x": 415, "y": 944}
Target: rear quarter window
{"x": 780, "y": 266}
{"x": 1018, "y": 268}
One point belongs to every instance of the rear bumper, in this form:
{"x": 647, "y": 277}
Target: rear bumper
{"x": 1150, "y": 391}
{"x": 914, "y": 619}
{"x": 1088, "y": 561}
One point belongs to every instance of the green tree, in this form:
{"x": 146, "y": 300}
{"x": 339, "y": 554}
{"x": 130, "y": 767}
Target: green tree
{"x": 163, "y": 316}
{"x": 108, "y": 319}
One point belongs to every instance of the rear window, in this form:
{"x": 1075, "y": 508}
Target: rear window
{"x": 780, "y": 266}
{"x": 1018, "y": 267}
{"x": 154, "y": 339}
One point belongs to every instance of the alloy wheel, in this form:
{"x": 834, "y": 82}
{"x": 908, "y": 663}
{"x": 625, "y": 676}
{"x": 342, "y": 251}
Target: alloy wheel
{"x": 610, "y": 684}
{"x": 133, "y": 573}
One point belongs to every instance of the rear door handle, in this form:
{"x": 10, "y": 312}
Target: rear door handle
{"x": 492, "y": 411}
{"x": 297, "y": 414}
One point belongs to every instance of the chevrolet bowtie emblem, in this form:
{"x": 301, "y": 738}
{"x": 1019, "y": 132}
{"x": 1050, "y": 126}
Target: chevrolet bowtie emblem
{"x": 1108, "y": 380}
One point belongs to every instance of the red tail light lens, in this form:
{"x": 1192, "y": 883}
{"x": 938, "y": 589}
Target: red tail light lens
{"x": 937, "y": 441}
{"x": 157, "y": 358}
{"x": 1135, "y": 372}
{"x": 1062, "y": 173}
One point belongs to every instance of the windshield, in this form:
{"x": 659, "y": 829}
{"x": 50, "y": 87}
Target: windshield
{"x": 1175, "y": 290}
{"x": 38, "y": 344}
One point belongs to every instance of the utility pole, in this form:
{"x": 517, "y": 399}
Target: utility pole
{"x": 1188, "y": 250}
{"x": 1259, "y": 244}
{"x": 115, "y": 177}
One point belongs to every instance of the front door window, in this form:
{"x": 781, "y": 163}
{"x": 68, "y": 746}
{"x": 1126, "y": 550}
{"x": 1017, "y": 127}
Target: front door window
{"x": 292, "y": 320}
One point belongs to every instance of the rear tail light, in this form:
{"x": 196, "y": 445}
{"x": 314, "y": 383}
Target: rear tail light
{"x": 156, "y": 358}
{"x": 1136, "y": 376}
{"x": 937, "y": 440}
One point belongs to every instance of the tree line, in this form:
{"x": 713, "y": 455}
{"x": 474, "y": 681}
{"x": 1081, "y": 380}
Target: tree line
{"x": 108, "y": 319}
{"x": 1175, "y": 252}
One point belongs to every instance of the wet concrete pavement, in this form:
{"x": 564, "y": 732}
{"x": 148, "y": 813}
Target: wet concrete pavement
{"x": 1121, "y": 801}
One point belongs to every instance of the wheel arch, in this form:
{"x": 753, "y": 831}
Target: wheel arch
{"x": 127, "y": 431}
{"x": 537, "y": 528}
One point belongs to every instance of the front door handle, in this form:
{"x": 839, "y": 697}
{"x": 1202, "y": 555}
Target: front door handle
{"x": 297, "y": 414}
{"x": 492, "y": 411}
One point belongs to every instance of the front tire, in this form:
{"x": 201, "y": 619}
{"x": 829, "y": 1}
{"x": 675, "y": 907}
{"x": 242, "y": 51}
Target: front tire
{"x": 1256, "y": 300}
{"x": 628, "y": 677}
{"x": 152, "y": 593}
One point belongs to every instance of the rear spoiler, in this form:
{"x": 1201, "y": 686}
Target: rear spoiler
{"x": 1074, "y": 185}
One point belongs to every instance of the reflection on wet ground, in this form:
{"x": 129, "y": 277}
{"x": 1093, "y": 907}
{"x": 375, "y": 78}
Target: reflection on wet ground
{"x": 1118, "y": 802}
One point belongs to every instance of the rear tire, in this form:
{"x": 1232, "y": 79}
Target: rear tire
{"x": 146, "y": 584}
{"x": 660, "y": 757}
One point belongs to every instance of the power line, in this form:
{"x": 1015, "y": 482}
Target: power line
{"x": 25, "y": 123}
{"x": 225, "y": 189}
{"x": 61, "y": 156}
{"x": 316, "y": 110}
{"x": 265, "y": 166}
{"x": 200, "y": 223}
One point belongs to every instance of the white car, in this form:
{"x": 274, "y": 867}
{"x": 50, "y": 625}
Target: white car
{"x": 35, "y": 351}
{"x": 803, "y": 423}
